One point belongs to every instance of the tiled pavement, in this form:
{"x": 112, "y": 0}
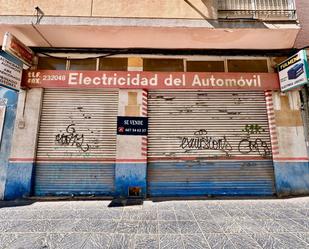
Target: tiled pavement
{"x": 166, "y": 225}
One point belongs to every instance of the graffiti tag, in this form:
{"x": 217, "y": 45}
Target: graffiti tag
{"x": 71, "y": 138}
{"x": 202, "y": 141}
{"x": 248, "y": 145}
{"x": 253, "y": 129}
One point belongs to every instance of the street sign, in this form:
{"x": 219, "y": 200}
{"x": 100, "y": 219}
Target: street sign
{"x": 294, "y": 71}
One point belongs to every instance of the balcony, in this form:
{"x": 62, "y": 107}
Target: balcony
{"x": 268, "y": 10}
{"x": 267, "y": 25}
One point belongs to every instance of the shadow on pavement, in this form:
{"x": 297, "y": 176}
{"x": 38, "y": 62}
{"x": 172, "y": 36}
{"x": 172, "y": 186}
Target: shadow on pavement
{"x": 17, "y": 203}
{"x": 125, "y": 202}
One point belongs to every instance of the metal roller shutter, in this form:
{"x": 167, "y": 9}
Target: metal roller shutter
{"x": 209, "y": 143}
{"x": 77, "y": 142}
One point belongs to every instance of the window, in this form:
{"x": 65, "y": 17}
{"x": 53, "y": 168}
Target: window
{"x": 83, "y": 64}
{"x": 247, "y": 66}
{"x": 49, "y": 63}
{"x": 113, "y": 64}
{"x": 163, "y": 65}
{"x": 205, "y": 66}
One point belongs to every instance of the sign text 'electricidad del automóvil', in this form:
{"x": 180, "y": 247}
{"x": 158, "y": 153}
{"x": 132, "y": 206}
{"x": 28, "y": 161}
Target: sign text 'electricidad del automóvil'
{"x": 150, "y": 80}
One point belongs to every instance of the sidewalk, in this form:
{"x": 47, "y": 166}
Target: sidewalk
{"x": 267, "y": 223}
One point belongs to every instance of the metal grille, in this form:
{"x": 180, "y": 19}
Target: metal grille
{"x": 259, "y": 9}
{"x": 202, "y": 143}
{"x": 77, "y": 138}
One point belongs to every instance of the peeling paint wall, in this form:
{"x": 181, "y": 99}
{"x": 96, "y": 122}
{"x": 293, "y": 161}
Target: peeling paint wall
{"x": 291, "y": 162}
{"x": 131, "y": 158}
{"x": 7, "y": 134}
{"x": 21, "y": 163}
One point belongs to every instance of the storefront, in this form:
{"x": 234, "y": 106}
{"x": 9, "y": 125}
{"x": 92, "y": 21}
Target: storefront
{"x": 208, "y": 133}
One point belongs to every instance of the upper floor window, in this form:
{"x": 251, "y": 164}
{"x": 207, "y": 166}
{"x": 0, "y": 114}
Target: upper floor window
{"x": 257, "y": 9}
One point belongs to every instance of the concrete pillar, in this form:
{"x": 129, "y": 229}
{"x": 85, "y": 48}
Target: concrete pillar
{"x": 131, "y": 157}
{"x": 290, "y": 157}
{"x": 23, "y": 152}
{"x": 10, "y": 98}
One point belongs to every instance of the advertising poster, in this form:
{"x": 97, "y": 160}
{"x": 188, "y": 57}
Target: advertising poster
{"x": 294, "y": 71}
{"x": 10, "y": 72}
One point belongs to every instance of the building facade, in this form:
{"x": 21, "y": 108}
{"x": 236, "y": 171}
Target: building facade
{"x": 154, "y": 99}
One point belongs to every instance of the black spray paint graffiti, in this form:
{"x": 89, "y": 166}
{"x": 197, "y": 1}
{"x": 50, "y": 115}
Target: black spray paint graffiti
{"x": 202, "y": 141}
{"x": 71, "y": 138}
{"x": 248, "y": 145}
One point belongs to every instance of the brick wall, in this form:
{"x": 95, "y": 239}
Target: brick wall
{"x": 302, "y": 7}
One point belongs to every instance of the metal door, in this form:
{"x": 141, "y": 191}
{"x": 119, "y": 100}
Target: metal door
{"x": 209, "y": 143}
{"x": 77, "y": 142}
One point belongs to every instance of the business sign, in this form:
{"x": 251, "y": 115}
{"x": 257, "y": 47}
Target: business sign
{"x": 3, "y": 103}
{"x": 294, "y": 71}
{"x": 150, "y": 80}
{"x": 137, "y": 126}
{"x": 10, "y": 72}
{"x": 16, "y": 48}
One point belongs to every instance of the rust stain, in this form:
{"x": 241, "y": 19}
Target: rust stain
{"x": 287, "y": 117}
{"x": 132, "y": 98}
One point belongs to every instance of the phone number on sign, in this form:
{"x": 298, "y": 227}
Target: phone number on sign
{"x": 54, "y": 77}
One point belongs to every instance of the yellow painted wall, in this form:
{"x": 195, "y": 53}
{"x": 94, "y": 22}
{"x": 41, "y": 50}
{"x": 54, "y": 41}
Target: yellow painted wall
{"x": 286, "y": 117}
{"x": 189, "y": 9}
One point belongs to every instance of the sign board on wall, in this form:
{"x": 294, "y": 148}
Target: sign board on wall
{"x": 3, "y": 103}
{"x": 150, "y": 80}
{"x": 16, "y": 48}
{"x": 294, "y": 71}
{"x": 10, "y": 72}
{"x": 137, "y": 126}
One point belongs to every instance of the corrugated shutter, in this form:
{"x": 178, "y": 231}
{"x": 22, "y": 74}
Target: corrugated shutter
{"x": 204, "y": 143}
{"x": 77, "y": 142}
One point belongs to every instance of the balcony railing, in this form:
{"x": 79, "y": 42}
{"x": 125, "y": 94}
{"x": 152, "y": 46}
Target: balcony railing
{"x": 257, "y": 9}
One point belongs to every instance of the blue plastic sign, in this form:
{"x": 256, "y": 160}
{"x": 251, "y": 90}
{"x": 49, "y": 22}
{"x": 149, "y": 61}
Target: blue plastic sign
{"x": 294, "y": 71}
{"x": 137, "y": 126}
